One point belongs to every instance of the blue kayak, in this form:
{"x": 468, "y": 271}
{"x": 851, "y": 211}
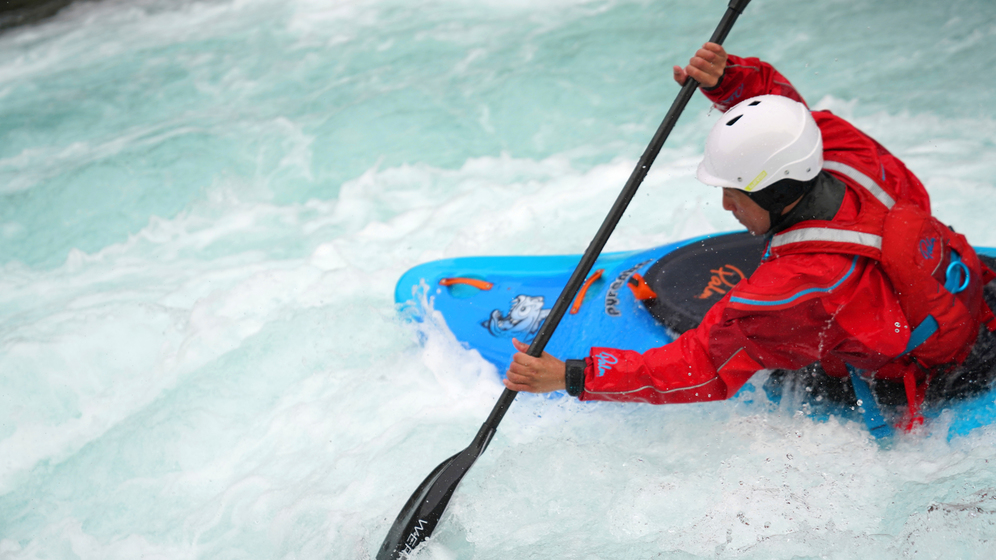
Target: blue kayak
{"x": 486, "y": 301}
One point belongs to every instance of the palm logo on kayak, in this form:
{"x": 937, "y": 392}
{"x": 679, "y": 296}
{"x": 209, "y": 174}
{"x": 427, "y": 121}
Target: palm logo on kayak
{"x": 604, "y": 360}
{"x": 524, "y": 318}
{"x": 723, "y": 278}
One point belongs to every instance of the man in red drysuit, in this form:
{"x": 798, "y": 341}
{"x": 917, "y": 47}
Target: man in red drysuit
{"x": 823, "y": 193}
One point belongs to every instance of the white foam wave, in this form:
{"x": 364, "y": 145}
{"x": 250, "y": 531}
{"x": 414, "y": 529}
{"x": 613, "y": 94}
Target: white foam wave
{"x": 230, "y": 378}
{"x": 119, "y": 328}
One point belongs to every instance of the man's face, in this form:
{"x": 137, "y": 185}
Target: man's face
{"x": 746, "y": 211}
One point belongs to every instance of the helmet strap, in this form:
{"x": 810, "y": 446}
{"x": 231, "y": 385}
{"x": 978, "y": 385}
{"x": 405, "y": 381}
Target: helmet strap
{"x": 776, "y": 197}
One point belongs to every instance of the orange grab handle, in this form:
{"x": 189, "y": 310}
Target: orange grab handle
{"x": 579, "y": 299}
{"x": 479, "y": 284}
{"x": 641, "y": 291}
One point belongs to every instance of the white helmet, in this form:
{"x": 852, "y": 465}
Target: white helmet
{"x": 761, "y": 141}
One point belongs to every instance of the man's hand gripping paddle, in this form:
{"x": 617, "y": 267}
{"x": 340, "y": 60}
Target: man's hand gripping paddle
{"x": 421, "y": 514}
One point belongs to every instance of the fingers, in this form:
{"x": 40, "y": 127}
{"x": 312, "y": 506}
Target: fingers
{"x": 535, "y": 375}
{"x": 708, "y": 65}
{"x": 521, "y": 377}
{"x": 527, "y": 383}
{"x": 525, "y": 373}
{"x": 521, "y": 388}
{"x": 711, "y": 52}
{"x": 699, "y": 66}
{"x": 524, "y": 365}
{"x": 680, "y": 75}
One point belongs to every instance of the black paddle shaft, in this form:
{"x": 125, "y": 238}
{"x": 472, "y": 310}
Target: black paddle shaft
{"x": 423, "y": 510}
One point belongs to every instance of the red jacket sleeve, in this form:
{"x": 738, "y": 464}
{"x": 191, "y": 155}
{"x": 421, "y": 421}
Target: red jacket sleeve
{"x": 690, "y": 369}
{"x": 793, "y": 311}
{"x": 749, "y": 77}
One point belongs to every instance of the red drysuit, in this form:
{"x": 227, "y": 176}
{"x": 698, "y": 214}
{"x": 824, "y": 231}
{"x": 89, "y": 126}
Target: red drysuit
{"x": 818, "y": 296}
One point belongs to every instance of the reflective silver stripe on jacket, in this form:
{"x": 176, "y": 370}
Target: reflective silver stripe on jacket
{"x": 655, "y": 389}
{"x": 862, "y": 179}
{"x": 827, "y": 234}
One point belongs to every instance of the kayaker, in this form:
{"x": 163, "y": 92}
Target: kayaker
{"x": 857, "y": 274}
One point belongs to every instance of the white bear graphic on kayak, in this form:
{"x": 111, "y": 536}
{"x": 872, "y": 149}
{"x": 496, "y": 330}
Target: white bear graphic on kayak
{"x": 525, "y": 316}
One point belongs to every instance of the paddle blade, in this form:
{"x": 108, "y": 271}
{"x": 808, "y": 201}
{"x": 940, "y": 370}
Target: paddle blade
{"x": 420, "y": 515}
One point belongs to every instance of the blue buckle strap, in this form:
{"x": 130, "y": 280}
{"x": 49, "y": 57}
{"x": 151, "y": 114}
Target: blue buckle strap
{"x": 870, "y": 411}
{"x": 957, "y": 279}
{"x": 921, "y": 333}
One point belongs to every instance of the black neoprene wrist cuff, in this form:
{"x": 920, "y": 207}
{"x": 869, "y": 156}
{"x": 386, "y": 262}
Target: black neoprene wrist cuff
{"x": 718, "y": 83}
{"x": 574, "y": 377}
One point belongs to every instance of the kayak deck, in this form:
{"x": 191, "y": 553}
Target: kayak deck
{"x": 486, "y": 301}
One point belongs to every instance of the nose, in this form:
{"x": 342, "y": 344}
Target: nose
{"x": 728, "y": 202}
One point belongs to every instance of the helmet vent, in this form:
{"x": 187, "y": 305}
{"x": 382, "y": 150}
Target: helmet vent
{"x": 754, "y": 103}
{"x": 734, "y": 120}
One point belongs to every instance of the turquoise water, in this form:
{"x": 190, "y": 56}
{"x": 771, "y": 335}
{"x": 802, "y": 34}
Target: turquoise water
{"x": 205, "y": 206}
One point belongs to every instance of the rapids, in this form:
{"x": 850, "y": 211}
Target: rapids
{"x": 204, "y": 207}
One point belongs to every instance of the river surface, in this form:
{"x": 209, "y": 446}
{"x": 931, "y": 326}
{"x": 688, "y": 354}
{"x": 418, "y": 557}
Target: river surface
{"x": 204, "y": 207}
